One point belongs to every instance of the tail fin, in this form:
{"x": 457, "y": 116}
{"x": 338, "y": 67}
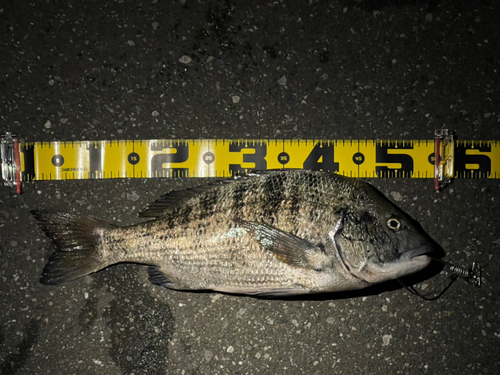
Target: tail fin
{"x": 74, "y": 237}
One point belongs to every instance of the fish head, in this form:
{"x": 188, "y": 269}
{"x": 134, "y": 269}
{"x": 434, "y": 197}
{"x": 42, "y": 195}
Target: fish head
{"x": 376, "y": 241}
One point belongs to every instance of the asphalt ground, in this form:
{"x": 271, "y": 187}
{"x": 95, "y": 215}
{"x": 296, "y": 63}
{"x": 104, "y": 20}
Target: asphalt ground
{"x": 95, "y": 70}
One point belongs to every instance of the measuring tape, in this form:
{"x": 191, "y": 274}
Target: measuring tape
{"x": 442, "y": 159}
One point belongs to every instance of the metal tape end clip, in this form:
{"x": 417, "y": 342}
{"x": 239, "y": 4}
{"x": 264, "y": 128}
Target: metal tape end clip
{"x": 11, "y": 161}
{"x": 444, "y": 156}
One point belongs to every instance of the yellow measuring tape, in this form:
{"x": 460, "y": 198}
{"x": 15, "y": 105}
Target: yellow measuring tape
{"x": 68, "y": 160}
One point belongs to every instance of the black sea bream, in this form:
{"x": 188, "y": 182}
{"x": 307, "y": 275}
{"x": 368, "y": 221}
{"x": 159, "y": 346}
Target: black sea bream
{"x": 270, "y": 233}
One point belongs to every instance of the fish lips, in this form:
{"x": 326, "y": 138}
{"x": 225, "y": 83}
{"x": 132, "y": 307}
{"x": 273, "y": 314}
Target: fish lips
{"x": 410, "y": 262}
{"x": 419, "y": 254}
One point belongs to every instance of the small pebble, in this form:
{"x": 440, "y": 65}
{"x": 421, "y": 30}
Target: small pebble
{"x": 282, "y": 81}
{"x": 236, "y": 99}
{"x": 386, "y": 339}
{"x": 131, "y": 43}
{"x": 185, "y": 59}
{"x": 208, "y": 355}
{"x": 241, "y": 312}
{"x": 397, "y": 196}
{"x": 155, "y": 113}
{"x": 48, "y": 124}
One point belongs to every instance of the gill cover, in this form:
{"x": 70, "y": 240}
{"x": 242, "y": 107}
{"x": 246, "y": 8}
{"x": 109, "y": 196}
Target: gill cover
{"x": 375, "y": 248}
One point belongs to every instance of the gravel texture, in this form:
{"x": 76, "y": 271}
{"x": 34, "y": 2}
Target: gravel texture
{"x": 77, "y": 70}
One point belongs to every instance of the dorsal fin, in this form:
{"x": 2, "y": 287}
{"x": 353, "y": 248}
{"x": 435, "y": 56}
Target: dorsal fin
{"x": 172, "y": 198}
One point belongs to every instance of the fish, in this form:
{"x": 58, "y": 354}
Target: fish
{"x": 270, "y": 234}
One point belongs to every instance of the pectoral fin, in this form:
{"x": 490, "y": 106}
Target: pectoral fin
{"x": 286, "y": 247}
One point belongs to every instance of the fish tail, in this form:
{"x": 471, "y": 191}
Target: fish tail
{"x": 75, "y": 239}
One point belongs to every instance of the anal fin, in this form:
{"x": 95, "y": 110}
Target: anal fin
{"x": 157, "y": 277}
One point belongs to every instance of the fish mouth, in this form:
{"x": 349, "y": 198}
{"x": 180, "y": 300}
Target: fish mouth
{"x": 416, "y": 258}
{"x": 419, "y": 252}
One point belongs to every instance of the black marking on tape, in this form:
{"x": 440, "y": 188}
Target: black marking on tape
{"x": 57, "y": 160}
{"x": 133, "y": 158}
{"x": 258, "y": 158}
{"x": 283, "y": 158}
{"x": 208, "y": 157}
{"x": 28, "y": 151}
{"x": 358, "y": 158}
{"x": 462, "y": 159}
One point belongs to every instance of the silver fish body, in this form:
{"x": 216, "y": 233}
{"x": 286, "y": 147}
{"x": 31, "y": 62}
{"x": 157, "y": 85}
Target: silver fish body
{"x": 274, "y": 233}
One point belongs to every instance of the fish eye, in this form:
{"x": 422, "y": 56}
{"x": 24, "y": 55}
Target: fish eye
{"x": 394, "y": 224}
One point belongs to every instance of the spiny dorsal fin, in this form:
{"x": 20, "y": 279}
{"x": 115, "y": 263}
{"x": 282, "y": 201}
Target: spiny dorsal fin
{"x": 287, "y": 247}
{"x": 172, "y": 198}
